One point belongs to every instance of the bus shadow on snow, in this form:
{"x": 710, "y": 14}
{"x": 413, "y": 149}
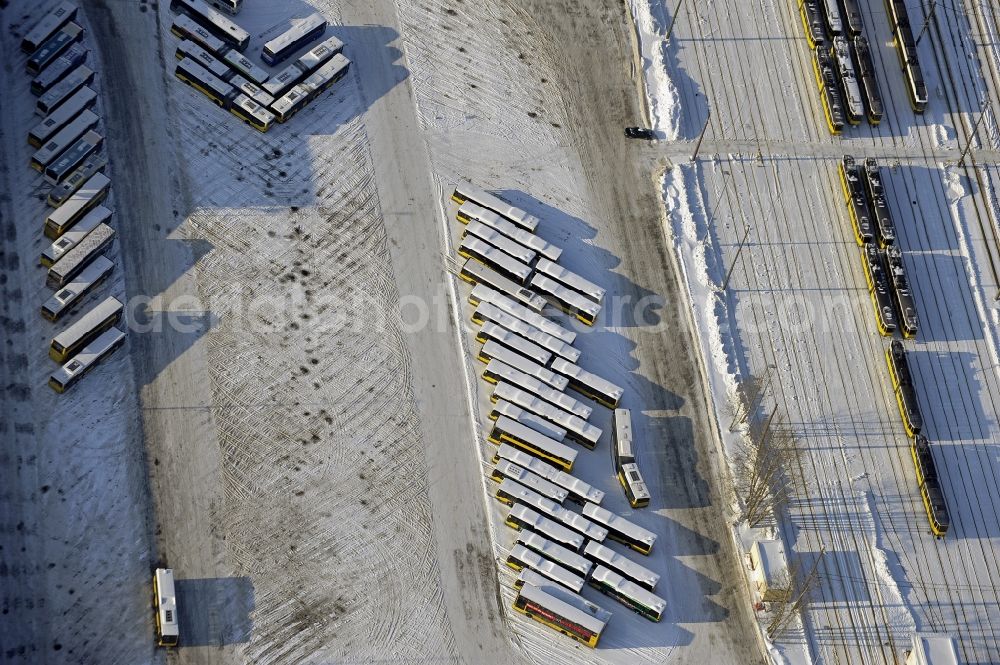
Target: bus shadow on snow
{"x": 214, "y": 611}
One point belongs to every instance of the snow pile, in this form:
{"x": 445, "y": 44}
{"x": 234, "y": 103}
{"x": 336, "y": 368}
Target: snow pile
{"x": 652, "y": 24}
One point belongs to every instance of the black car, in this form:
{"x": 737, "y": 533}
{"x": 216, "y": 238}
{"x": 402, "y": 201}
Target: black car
{"x": 639, "y": 133}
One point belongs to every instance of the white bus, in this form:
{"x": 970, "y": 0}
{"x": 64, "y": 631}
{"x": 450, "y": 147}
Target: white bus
{"x": 53, "y": 47}
{"x": 287, "y": 43}
{"x": 167, "y": 628}
{"x": 72, "y": 237}
{"x": 577, "y": 429}
{"x": 472, "y": 247}
{"x": 497, "y": 371}
{"x": 621, "y": 564}
{"x": 194, "y": 51}
{"x": 511, "y": 492}
{"x": 326, "y": 75}
{"x": 465, "y": 191}
{"x": 476, "y": 272}
{"x": 469, "y": 212}
{"x": 569, "y": 560}
{"x": 87, "y": 359}
{"x": 60, "y": 193}
{"x": 73, "y": 157}
{"x": 63, "y": 65}
{"x": 540, "y": 425}
{"x": 76, "y": 259}
{"x": 49, "y": 24}
{"x": 102, "y": 317}
{"x": 506, "y": 430}
{"x": 215, "y": 22}
{"x": 63, "y": 139}
{"x": 488, "y": 312}
{"x": 62, "y": 91}
{"x": 500, "y": 241}
{"x": 492, "y": 350}
{"x": 520, "y": 557}
{"x": 79, "y": 204}
{"x": 83, "y": 98}
{"x": 560, "y": 609}
{"x": 492, "y": 332}
{"x": 570, "y": 279}
{"x": 186, "y": 28}
{"x": 193, "y": 74}
{"x": 522, "y": 517}
{"x": 290, "y": 103}
{"x": 483, "y": 293}
{"x": 635, "y": 487}
{"x": 242, "y": 64}
{"x": 505, "y": 469}
{"x": 579, "y": 491}
{"x": 252, "y": 113}
{"x": 588, "y": 384}
{"x": 64, "y": 299}
{"x": 565, "y": 299}
{"x": 629, "y": 594}
{"x": 620, "y": 529}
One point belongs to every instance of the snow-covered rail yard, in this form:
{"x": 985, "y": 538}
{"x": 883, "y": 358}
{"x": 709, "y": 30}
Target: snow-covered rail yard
{"x": 297, "y": 426}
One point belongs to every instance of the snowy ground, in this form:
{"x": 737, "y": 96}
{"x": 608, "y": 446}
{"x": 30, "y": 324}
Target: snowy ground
{"x": 798, "y": 303}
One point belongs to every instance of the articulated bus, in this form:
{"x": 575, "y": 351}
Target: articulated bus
{"x": 565, "y": 299}
{"x": 854, "y": 108}
{"x": 103, "y": 316}
{"x": 856, "y": 199}
{"x": 73, "y": 157}
{"x": 901, "y": 293}
{"x": 492, "y": 332}
{"x": 215, "y": 22}
{"x": 194, "y": 51}
{"x": 884, "y": 226}
{"x": 878, "y": 290}
{"x": 868, "y": 79}
{"x": 570, "y": 279}
{"x": 301, "y": 33}
{"x": 60, "y": 193}
{"x": 488, "y": 312}
{"x": 54, "y": 47}
{"x": 577, "y": 429}
{"x": 930, "y": 486}
{"x": 62, "y": 91}
{"x": 541, "y": 425}
{"x": 812, "y": 21}
{"x": 580, "y": 492}
{"x": 492, "y": 350}
{"x": 304, "y": 66}
{"x": 74, "y": 235}
{"x": 64, "y": 64}
{"x": 187, "y": 28}
{"x": 607, "y": 557}
{"x": 555, "y": 552}
{"x": 826, "y": 79}
{"x": 469, "y": 212}
{"x": 623, "y": 460}
{"x": 482, "y": 293}
{"x": 64, "y": 299}
{"x": 81, "y": 100}
{"x": 505, "y": 469}
{"x": 505, "y": 264}
{"x": 76, "y": 259}
{"x": 620, "y": 529}
{"x": 465, "y": 191}
{"x": 167, "y": 629}
{"x": 63, "y": 139}
{"x": 498, "y": 240}
{"x": 497, "y": 371}
{"x": 569, "y": 613}
{"x": 589, "y": 385}
{"x": 242, "y": 64}
{"x": 86, "y": 360}
{"x": 520, "y": 557}
{"x": 314, "y": 85}
{"x": 902, "y": 386}
{"x": 520, "y": 436}
{"x": 83, "y": 201}
{"x": 906, "y": 48}
{"x": 521, "y": 518}
{"x": 629, "y": 594}
{"x": 193, "y": 74}
{"x": 59, "y": 16}
{"x": 511, "y": 492}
